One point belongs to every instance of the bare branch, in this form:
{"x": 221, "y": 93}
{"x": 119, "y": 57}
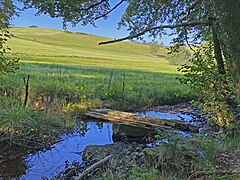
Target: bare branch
{"x": 93, "y": 5}
{"x": 186, "y": 39}
{"x": 104, "y": 15}
{"x": 189, "y": 10}
{"x": 185, "y": 24}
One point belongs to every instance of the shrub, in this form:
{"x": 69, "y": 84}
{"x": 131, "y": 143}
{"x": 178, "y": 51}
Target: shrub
{"x": 216, "y": 90}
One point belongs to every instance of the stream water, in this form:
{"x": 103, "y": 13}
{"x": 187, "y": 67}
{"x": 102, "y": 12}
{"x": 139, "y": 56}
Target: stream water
{"x": 46, "y": 164}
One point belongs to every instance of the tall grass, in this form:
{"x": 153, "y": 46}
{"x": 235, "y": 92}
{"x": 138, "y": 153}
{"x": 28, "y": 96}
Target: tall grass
{"x": 122, "y": 89}
{"x": 16, "y": 120}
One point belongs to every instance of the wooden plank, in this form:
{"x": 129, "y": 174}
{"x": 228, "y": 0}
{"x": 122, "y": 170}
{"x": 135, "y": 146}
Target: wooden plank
{"x": 143, "y": 121}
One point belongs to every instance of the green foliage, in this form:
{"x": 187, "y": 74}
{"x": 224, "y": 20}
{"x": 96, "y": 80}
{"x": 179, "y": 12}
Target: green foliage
{"x": 181, "y": 158}
{"x": 6, "y": 12}
{"x": 135, "y": 173}
{"x": 216, "y": 89}
{"x": 7, "y": 65}
{"x": 176, "y": 159}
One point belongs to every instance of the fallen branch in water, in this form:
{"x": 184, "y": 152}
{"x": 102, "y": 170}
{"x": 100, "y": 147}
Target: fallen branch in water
{"x": 93, "y": 167}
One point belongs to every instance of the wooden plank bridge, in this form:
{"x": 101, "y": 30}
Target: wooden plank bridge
{"x": 138, "y": 120}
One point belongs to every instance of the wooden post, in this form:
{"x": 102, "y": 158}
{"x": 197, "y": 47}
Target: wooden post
{"x": 123, "y": 83}
{"x": 26, "y": 83}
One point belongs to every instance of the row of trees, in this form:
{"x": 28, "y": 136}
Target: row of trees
{"x": 193, "y": 22}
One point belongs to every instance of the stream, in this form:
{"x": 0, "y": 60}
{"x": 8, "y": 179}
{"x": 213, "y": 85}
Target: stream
{"x": 47, "y": 164}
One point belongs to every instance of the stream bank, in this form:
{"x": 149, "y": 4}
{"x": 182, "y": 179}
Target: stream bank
{"x": 131, "y": 148}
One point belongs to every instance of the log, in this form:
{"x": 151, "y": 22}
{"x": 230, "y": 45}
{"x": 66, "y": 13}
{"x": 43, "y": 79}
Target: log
{"x": 93, "y": 167}
{"x": 138, "y": 120}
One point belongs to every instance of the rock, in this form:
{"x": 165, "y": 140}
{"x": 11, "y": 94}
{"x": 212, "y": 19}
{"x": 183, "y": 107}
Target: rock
{"x": 124, "y": 154}
{"x": 128, "y": 132}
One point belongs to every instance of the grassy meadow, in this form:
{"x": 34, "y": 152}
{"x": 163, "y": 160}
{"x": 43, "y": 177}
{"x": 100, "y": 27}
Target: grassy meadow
{"x": 71, "y": 69}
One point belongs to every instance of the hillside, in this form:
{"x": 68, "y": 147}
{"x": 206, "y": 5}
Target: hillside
{"x": 69, "y": 48}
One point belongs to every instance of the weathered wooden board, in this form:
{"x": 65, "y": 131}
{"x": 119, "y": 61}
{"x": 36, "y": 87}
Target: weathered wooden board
{"x": 144, "y": 121}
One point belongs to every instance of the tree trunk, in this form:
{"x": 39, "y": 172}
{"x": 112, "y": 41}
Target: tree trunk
{"x": 226, "y": 22}
{"x": 218, "y": 53}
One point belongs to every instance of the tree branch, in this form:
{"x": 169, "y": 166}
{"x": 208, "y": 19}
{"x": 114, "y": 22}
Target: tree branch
{"x": 103, "y": 15}
{"x": 186, "y": 39}
{"x": 93, "y": 5}
{"x": 189, "y": 10}
{"x": 185, "y": 24}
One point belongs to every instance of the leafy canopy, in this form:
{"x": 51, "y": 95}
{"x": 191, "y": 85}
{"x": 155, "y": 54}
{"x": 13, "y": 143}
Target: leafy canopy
{"x": 140, "y": 16}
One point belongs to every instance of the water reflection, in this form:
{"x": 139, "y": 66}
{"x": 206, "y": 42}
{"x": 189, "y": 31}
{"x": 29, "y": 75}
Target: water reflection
{"x": 49, "y": 163}
{"x": 186, "y": 118}
{"x": 46, "y": 164}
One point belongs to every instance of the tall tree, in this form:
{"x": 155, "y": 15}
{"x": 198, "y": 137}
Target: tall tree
{"x": 226, "y": 23}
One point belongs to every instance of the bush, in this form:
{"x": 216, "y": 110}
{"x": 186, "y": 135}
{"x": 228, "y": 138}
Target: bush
{"x": 216, "y": 90}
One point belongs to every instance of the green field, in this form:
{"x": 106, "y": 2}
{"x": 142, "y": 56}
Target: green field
{"x": 67, "y": 48}
{"x": 73, "y": 66}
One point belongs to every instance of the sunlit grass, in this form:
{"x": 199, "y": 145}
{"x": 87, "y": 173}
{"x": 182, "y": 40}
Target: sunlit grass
{"x": 73, "y": 66}
{"x": 47, "y": 42}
